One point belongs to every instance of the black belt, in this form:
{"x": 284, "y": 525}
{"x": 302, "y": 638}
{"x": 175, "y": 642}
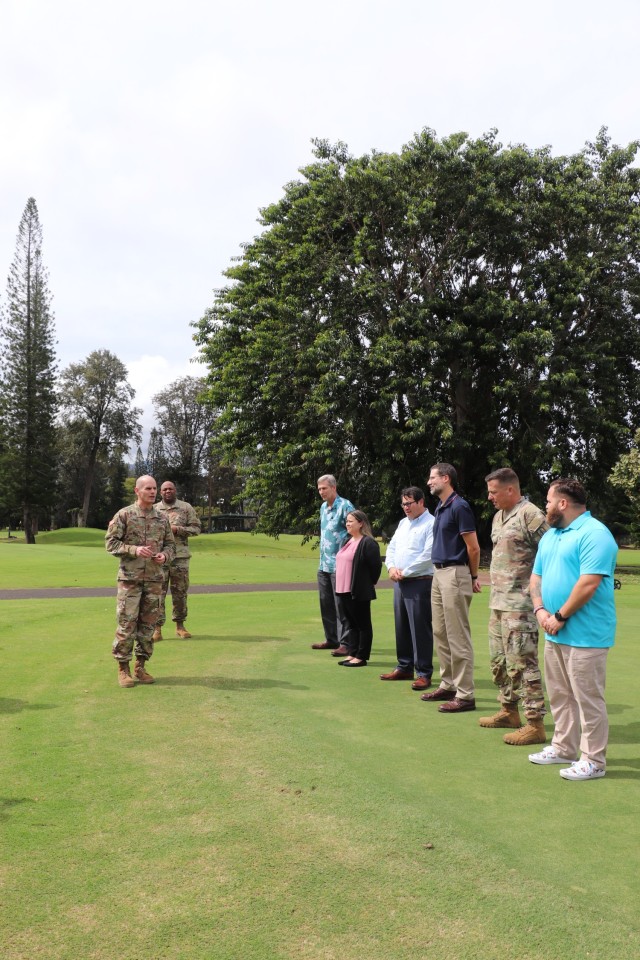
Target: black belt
{"x": 427, "y": 576}
{"x": 450, "y": 563}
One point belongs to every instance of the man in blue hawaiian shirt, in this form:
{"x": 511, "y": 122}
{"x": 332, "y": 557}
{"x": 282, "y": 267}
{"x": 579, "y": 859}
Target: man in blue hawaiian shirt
{"x": 333, "y": 533}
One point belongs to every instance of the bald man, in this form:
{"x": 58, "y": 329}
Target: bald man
{"x": 142, "y": 539}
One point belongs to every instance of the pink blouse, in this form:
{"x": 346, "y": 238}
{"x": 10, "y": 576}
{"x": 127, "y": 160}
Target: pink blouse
{"x": 344, "y": 565}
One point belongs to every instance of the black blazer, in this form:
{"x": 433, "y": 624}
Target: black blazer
{"x": 367, "y": 565}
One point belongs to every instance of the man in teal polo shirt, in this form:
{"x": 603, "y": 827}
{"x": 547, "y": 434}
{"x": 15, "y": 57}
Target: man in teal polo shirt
{"x": 572, "y": 594}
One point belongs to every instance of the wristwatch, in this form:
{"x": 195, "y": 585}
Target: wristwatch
{"x": 559, "y": 617}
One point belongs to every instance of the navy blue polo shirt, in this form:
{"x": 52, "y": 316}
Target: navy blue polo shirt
{"x": 452, "y": 518}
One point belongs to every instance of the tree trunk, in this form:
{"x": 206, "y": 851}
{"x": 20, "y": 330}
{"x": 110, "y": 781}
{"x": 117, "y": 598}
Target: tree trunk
{"x": 88, "y": 485}
{"x": 27, "y": 523}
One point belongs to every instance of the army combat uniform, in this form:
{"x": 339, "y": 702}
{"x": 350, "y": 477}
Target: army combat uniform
{"x": 140, "y": 579}
{"x": 513, "y": 628}
{"x": 181, "y": 515}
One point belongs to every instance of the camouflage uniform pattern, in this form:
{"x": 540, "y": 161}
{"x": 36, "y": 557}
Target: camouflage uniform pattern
{"x": 513, "y": 629}
{"x": 181, "y": 515}
{"x": 140, "y": 579}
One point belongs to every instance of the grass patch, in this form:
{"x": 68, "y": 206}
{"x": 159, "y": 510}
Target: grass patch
{"x": 261, "y": 802}
{"x": 77, "y": 558}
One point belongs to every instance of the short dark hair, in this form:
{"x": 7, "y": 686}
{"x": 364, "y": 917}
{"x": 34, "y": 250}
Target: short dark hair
{"x": 504, "y": 475}
{"x": 414, "y": 492}
{"x": 571, "y": 489}
{"x": 447, "y": 470}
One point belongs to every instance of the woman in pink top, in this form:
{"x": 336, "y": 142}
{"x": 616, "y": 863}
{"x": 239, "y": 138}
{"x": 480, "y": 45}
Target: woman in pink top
{"x": 358, "y": 567}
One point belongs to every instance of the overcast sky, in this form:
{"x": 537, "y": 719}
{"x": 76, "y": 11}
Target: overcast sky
{"x": 150, "y": 134}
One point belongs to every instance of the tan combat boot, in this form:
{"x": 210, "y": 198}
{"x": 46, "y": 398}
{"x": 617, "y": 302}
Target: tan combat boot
{"x": 157, "y": 634}
{"x": 181, "y": 632}
{"x": 141, "y": 674}
{"x": 507, "y": 716}
{"x": 532, "y": 732}
{"x": 124, "y": 674}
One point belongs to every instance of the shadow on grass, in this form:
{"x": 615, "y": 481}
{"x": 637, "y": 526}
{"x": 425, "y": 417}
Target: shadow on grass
{"x": 624, "y": 733}
{"x": 17, "y": 706}
{"x": 227, "y": 639}
{"x": 623, "y": 769}
{"x": 228, "y": 683}
{"x": 7, "y": 803}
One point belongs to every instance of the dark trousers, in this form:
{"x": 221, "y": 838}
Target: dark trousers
{"x": 334, "y": 629}
{"x": 356, "y": 614}
{"x": 414, "y": 636}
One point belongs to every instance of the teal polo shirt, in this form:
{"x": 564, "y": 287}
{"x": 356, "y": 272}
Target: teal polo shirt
{"x": 564, "y": 554}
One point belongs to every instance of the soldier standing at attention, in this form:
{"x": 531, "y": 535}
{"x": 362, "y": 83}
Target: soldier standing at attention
{"x": 184, "y": 524}
{"x": 517, "y": 529}
{"x": 143, "y": 541}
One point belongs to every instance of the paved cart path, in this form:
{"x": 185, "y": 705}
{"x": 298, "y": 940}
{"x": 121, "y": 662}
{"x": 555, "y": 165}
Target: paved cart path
{"x": 66, "y": 593}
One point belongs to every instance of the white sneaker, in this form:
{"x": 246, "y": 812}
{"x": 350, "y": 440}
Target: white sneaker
{"x": 582, "y": 770}
{"x": 548, "y": 755}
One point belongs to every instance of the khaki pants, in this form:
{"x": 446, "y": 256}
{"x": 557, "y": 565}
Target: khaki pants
{"x": 450, "y": 601}
{"x": 575, "y": 678}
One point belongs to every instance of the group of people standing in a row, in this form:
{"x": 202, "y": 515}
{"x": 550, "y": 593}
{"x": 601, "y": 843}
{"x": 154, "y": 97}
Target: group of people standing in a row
{"x": 554, "y": 572}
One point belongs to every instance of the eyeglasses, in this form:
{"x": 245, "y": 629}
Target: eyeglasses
{"x": 408, "y": 503}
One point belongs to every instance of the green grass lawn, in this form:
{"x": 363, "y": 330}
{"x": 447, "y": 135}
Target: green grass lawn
{"x": 77, "y": 558}
{"x": 261, "y": 802}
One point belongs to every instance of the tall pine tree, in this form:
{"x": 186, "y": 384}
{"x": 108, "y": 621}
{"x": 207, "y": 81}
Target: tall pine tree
{"x": 27, "y": 381}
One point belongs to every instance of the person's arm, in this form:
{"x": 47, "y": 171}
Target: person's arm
{"x": 193, "y": 526}
{"x": 390, "y": 559}
{"x": 168, "y": 552}
{"x": 371, "y": 556}
{"x": 535, "y": 590}
{"x": 473, "y": 553}
{"x": 583, "y": 590}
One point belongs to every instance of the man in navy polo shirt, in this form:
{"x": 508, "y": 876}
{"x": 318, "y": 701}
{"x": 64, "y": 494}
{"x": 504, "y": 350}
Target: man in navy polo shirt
{"x": 572, "y": 594}
{"x": 456, "y": 556}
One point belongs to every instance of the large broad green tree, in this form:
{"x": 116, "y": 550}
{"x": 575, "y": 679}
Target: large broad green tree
{"x": 457, "y": 301}
{"x": 186, "y": 426}
{"x": 96, "y": 409}
{"x": 27, "y": 382}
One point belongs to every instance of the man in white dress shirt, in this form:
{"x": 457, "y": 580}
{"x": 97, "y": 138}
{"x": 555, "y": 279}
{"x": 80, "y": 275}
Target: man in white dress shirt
{"x": 409, "y": 563}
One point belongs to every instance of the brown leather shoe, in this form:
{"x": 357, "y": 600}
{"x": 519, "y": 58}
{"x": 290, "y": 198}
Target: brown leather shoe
{"x": 439, "y": 694}
{"x": 340, "y": 651}
{"x": 422, "y": 683}
{"x": 457, "y": 706}
{"x": 397, "y": 675}
{"x": 181, "y": 632}
{"x": 324, "y": 646}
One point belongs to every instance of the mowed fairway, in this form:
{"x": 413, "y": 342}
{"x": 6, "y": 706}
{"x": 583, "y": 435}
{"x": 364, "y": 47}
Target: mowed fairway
{"x": 261, "y": 802}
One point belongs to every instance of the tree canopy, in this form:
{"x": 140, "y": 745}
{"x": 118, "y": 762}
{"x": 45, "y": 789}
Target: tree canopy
{"x": 96, "y": 409}
{"x": 185, "y": 425}
{"x": 457, "y": 301}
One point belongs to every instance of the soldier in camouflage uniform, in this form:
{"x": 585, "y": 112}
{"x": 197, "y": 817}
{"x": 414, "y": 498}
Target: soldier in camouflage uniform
{"x": 184, "y": 524}
{"x": 143, "y": 541}
{"x": 517, "y": 529}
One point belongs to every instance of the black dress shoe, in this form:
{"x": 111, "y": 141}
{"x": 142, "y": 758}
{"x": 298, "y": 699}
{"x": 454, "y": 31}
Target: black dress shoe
{"x": 350, "y": 663}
